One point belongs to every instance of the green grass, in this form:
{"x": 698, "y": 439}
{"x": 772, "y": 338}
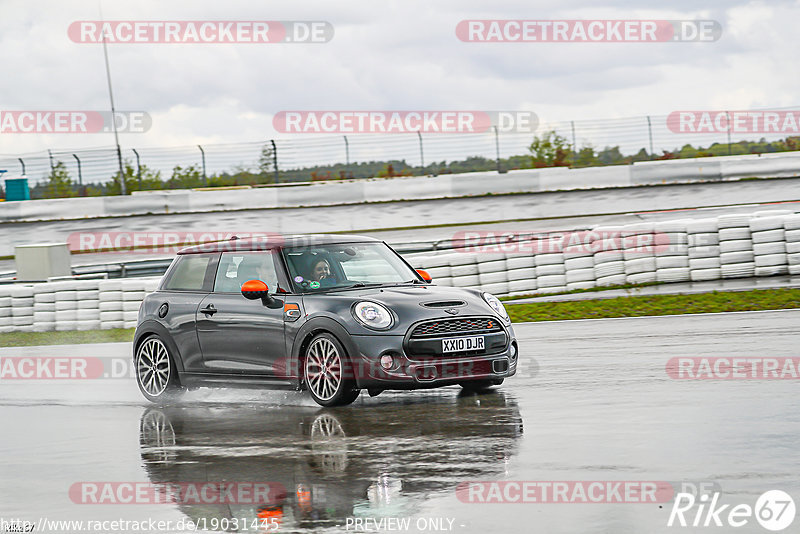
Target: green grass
{"x": 72, "y": 337}
{"x": 640, "y": 306}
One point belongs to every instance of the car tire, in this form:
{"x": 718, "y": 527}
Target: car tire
{"x": 478, "y": 385}
{"x": 325, "y": 370}
{"x": 155, "y": 371}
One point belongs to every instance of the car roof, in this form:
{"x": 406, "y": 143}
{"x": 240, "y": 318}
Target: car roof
{"x": 276, "y": 240}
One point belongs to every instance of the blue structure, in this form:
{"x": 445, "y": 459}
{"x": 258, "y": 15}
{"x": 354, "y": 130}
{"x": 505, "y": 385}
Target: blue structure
{"x": 17, "y": 189}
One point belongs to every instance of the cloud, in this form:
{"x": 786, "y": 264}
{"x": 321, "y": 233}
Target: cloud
{"x": 384, "y": 55}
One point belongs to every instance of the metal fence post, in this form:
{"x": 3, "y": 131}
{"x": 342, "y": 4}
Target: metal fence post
{"x": 650, "y": 133}
{"x": 138, "y": 168}
{"x": 50, "y": 155}
{"x": 727, "y": 115}
{"x": 80, "y": 174}
{"x": 346, "y": 150}
{"x": 275, "y": 160}
{"x": 497, "y": 148}
{"x": 574, "y": 143}
{"x": 22, "y": 162}
{"x": 203, "y": 156}
{"x": 421, "y": 153}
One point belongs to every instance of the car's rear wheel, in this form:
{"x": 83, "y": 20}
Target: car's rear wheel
{"x": 479, "y": 385}
{"x": 326, "y": 369}
{"x": 155, "y": 371}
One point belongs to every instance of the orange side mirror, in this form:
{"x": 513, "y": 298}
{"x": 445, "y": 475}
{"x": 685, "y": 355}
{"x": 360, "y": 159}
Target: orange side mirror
{"x": 254, "y": 289}
{"x": 425, "y": 276}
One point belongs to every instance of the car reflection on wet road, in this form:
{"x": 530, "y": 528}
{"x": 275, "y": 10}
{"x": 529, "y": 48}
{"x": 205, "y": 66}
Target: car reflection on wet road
{"x": 327, "y": 465}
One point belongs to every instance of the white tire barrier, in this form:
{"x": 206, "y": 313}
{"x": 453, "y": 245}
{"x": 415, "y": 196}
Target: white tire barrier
{"x": 702, "y": 226}
{"x": 671, "y": 262}
{"x": 580, "y": 275}
{"x": 769, "y": 236}
{"x": 769, "y": 243}
{"x": 733, "y": 220}
{"x": 611, "y": 268}
{"x": 738, "y": 270}
{"x": 702, "y": 264}
{"x": 579, "y": 263}
{"x": 641, "y": 278}
{"x": 73, "y": 304}
{"x": 549, "y": 259}
{"x": 704, "y": 249}
{"x": 732, "y": 234}
{"x": 703, "y": 240}
{"x": 678, "y": 274}
{"x": 612, "y": 280}
{"x": 640, "y": 265}
{"x": 736, "y": 245}
{"x": 702, "y": 275}
{"x": 729, "y": 246}
{"x": 763, "y": 249}
{"x": 550, "y": 270}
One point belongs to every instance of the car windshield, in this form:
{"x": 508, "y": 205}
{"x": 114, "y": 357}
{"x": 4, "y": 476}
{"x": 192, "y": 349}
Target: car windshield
{"x": 341, "y": 266}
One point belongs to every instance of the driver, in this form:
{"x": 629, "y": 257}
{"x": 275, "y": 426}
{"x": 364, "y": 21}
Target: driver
{"x": 321, "y": 270}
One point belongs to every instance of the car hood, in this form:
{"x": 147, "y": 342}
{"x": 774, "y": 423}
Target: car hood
{"x": 410, "y": 303}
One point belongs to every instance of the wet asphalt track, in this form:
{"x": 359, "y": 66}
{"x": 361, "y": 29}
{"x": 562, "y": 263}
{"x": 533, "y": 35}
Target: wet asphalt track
{"x": 592, "y": 402}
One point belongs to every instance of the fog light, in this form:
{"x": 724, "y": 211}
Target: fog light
{"x": 387, "y": 362}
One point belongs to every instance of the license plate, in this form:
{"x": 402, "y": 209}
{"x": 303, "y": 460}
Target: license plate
{"x": 461, "y": 344}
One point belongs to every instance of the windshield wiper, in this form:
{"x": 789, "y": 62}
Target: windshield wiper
{"x": 361, "y": 284}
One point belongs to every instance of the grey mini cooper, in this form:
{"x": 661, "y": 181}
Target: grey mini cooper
{"x": 332, "y": 314}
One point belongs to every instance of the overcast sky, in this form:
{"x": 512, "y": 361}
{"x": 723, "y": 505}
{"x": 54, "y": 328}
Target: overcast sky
{"x": 385, "y": 55}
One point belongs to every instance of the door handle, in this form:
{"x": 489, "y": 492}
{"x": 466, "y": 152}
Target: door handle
{"x": 210, "y": 309}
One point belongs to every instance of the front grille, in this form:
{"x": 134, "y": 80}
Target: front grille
{"x": 474, "y": 325}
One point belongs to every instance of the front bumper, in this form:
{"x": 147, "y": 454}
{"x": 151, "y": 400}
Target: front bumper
{"x": 431, "y": 372}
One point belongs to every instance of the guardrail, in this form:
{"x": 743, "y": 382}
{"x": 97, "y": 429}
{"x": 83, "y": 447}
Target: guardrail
{"x": 764, "y": 243}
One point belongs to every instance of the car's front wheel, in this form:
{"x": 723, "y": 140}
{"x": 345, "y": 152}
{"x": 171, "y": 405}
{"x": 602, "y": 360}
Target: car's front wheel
{"x": 155, "y": 371}
{"x": 326, "y": 370}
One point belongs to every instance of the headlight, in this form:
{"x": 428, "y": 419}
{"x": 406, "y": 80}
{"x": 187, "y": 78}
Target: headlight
{"x": 372, "y": 315}
{"x": 497, "y": 306}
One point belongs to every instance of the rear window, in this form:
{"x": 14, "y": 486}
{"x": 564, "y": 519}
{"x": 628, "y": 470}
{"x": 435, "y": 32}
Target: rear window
{"x": 189, "y": 272}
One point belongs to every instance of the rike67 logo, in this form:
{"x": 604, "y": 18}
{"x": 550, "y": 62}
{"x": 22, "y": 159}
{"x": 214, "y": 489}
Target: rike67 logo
{"x": 774, "y": 510}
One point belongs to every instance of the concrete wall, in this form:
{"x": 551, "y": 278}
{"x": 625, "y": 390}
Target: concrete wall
{"x": 408, "y": 188}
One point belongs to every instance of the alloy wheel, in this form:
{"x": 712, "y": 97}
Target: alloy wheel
{"x": 153, "y": 367}
{"x": 323, "y": 368}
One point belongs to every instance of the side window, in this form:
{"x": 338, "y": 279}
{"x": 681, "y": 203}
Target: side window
{"x": 236, "y": 268}
{"x": 189, "y": 272}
